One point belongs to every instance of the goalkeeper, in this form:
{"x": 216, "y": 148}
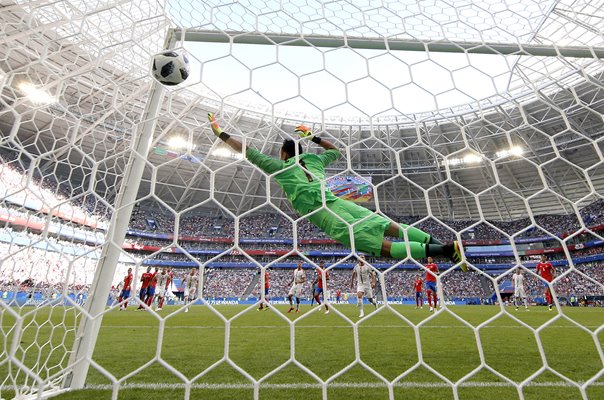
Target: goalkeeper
{"x": 301, "y": 182}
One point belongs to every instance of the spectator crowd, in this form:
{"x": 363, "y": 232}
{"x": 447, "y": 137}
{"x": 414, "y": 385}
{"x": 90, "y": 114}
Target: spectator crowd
{"x": 65, "y": 258}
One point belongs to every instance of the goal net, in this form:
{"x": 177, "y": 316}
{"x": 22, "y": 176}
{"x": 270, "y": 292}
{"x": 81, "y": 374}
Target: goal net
{"x": 474, "y": 121}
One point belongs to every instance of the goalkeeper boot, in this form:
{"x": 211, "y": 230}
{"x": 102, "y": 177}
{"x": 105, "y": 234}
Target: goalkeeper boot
{"x": 454, "y": 253}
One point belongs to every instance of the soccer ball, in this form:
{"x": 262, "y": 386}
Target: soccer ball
{"x": 170, "y": 67}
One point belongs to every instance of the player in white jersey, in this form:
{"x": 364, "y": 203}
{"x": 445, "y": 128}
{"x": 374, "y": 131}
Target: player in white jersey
{"x": 161, "y": 287}
{"x": 364, "y": 278}
{"x": 518, "y": 284}
{"x": 190, "y": 288}
{"x": 296, "y": 283}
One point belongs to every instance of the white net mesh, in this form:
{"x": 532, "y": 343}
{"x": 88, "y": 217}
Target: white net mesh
{"x": 478, "y": 121}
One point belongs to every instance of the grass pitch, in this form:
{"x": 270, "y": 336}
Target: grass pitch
{"x": 423, "y": 352}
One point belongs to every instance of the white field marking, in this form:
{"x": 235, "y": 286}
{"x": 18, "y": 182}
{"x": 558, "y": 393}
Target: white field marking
{"x": 329, "y": 326}
{"x": 343, "y": 385}
{"x": 333, "y": 326}
{"x": 354, "y": 385}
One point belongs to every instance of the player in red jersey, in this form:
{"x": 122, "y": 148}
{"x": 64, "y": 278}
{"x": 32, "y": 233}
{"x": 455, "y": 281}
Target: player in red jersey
{"x": 146, "y": 278}
{"x": 419, "y": 298}
{"x": 151, "y": 289}
{"x": 267, "y": 286}
{"x": 338, "y": 295}
{"x": 547, "y": 271}
{"x": 170, "y": 278}
{"x": 125, "y": 294}
{"x": 321, "y": 288}
{"x": 431, "y": 283}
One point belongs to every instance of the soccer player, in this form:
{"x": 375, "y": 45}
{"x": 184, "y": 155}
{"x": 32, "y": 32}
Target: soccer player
{"x": 301, "y": 175}
{"x": 338, "y": 295}
{"x": 146, "y": 278}
{"x": 151, "y": 289}
{"x": 364, "y": 278}
{"x": 125, "y": 294}
{"x": 163, "y": 283}
{"x": 432, "y": 271}
{"x": 548, "y": 273}
{"x": 518, "y": 285}
{"x": 419, "y": 298}
{"x": 313, "y": 289}
{"x": 296, "y": 287}
{"x": 190, "y": 288}
{"x": 267, "y": 287}
{"x": 319, "y": 290}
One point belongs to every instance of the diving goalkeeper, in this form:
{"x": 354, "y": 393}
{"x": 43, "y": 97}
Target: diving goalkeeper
{"x": 302, "y": 186}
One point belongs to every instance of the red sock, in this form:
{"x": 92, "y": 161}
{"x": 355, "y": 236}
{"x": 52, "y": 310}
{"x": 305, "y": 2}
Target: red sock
{"x": 430, "y": 299}
{"x": 317, "y": 300}
{"x": 161, "y": 303}
{"x": 126, "y": 304}
{"x": 435, "y": 300}
{"x": 149, "y": 300}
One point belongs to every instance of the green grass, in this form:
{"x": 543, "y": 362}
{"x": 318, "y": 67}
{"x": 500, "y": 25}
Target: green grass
{"x": 324, "y": 345}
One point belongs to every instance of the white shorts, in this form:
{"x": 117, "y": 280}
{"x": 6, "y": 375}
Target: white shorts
{"x": 192, "y": 292}
{"x": 161, "y": 292}
{"x": 519, "y": 292}
{"x": 366, "y": 289}
{"x": 296, "y": 290}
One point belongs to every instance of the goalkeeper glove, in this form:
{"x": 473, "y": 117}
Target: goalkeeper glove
{"x": 304, "y": 132}
{"x": 216, "y": 129}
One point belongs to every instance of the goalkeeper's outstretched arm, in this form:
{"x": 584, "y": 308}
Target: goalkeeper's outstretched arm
{"x": 238, "y": 146}
{"x": 225, "y": 137}
{"x": 304, "y": 132}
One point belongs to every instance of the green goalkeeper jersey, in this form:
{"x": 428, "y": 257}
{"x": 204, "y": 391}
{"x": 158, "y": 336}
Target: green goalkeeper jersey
{"x": 301, "y": 181}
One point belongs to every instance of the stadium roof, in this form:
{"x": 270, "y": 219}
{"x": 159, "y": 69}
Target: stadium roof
{"x": 94, "y": 60}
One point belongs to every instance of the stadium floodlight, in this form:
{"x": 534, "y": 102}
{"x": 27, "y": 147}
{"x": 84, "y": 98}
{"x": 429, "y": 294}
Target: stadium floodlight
{"x": 36, "y": 95}
{"x": 226, "y": 153}
{"x": 467, "y": 159}
{"x": 512, "y": 151}
{"x": 452, "y": 161}
{"x": 178, "y": 142}
{"x": 472, "y": 159}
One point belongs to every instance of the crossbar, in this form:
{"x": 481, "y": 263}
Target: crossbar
{"x": 384, "y": 43}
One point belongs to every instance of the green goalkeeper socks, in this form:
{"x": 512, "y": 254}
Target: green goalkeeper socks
{"x": 398, "y": 250}
{"x": 414, "y": 234}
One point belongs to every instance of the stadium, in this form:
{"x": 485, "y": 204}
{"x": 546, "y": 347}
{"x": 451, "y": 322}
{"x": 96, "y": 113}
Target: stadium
{"x": 477, "y": 122}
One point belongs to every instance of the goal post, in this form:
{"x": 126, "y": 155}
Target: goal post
{"x": 92, "y": 317}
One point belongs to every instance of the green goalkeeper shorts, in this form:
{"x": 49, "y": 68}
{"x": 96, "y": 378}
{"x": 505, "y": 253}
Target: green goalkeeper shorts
{"x": 368, "y": 234}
